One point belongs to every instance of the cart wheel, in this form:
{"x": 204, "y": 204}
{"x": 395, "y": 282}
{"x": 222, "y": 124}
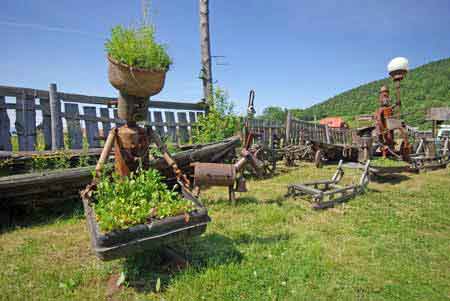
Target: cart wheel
{"x": 318, "y": 159}
{"x": 269, "y": 160}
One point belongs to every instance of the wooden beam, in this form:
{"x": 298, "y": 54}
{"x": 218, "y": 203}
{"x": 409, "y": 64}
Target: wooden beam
{"x": 56, "y": 121}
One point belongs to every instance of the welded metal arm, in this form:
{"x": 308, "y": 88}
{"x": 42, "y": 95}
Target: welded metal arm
{"x": 106, "y": 151}
{"x": 167, "y": 157}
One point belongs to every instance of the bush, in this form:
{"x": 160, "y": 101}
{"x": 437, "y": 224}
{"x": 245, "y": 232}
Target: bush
{"x": 121, "y": 202}
{"x": 220, "y": 122}
{"x": 137, "y": 47}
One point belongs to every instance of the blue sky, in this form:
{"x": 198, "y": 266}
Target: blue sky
{"x": 294, "y": 53}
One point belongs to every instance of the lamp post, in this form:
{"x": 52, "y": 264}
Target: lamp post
{"x": 397, "y": 68}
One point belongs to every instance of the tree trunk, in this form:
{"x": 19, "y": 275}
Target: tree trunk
{"x": 205, "y": 46}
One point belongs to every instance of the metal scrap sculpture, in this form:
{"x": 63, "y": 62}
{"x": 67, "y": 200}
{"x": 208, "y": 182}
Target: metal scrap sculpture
{"x": 230, "y": 175}
{"x": 131, "y": 144}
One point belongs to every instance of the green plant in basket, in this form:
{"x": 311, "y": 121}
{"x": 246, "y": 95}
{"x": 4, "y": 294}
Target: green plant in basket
{"x": 120, "y": 203}
{"x": 136, "y": 47}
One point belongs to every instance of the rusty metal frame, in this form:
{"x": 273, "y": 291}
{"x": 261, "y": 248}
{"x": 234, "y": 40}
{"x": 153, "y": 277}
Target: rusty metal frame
{"x": 327, "y": 193}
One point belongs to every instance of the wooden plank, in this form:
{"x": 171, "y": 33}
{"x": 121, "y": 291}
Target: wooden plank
{"x": 117, "y": 121}
{"x": 5, "y": 135}
{"x": 192, "y": 121}
{"x": 46, "y": 122}
{"x": 182, "y": 118}
{"x": 158, "y": 118}
{"x": 56, "y": 120}
{"x": 106, "y": 125}
{"x": 192, "y": 118}
{"x": 288, "y": 127}
{"x": 173, "y": 105}
{"x": 73, "y": 125}
{"x": 440, "y": 114}
{"x": 171, "y": 127}
{"x": 91, "y": 127}
{"x": 12, "y": 106}
{"x": 26, "y": 122}
{"x": 18, "y": 92}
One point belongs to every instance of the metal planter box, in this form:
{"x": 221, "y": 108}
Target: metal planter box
{"x": 144, "y": 237}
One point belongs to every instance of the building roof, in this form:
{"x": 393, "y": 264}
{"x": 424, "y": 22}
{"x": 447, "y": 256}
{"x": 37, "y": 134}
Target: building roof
{"x": 333, "y": 122}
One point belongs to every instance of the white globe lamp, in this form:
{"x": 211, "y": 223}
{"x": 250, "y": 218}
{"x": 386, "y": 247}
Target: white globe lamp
{"x": 397, "y": 68}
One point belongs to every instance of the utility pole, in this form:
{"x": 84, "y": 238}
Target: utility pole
{"x": 205, "y": 45}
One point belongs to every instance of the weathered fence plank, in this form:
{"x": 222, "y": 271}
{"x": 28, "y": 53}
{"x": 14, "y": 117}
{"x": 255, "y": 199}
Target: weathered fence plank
{"x": 288, "y": 127}
{"x": 192, "y": 118}
{"x": 158, "y": 118}
{"x": 104, "y": 112}
{"x": 182, "y": 119}
{"x": 91, "y": 127}
{"x": 171, "y": 126}
{"x": 5, "y": 135}
{"x": 26, "y": 122}
{"x": 192, "y": 121}
{"x": 46, "y": 122}
{"x": 56, "y": 120}
{"x": 72, "y": 115}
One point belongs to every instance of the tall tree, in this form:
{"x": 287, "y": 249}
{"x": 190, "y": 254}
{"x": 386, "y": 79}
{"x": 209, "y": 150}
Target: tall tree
{"x": 274, "y": 113}
{"x": 205, "y": 45}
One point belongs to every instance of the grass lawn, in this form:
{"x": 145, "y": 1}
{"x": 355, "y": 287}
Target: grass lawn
{"x": 392, "y": 243}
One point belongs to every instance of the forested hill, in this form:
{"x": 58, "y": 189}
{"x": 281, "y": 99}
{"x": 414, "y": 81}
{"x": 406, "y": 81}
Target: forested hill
{"x": 423, "y": 87}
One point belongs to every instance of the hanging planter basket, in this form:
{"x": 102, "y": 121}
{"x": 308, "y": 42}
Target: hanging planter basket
{"x": 145, "y": 237}
{"x": 135, "y": 81}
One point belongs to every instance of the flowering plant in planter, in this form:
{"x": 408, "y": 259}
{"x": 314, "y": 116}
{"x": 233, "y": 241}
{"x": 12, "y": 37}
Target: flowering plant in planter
{"x": 122, "y": 202}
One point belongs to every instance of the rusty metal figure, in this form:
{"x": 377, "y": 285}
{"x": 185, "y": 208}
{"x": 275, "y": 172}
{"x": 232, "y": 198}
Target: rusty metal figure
{"x": 385, "y": 111}
{"x": 386, "y": 124}
{"x": 131, "y": 142}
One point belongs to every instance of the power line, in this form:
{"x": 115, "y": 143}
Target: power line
{"x": 50, "y": 28}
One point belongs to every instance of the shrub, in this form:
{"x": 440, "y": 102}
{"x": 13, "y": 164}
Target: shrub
{"x": 137, "y": 47}
{"x": 121, "y": 202}
{"x": 220, "y": 122}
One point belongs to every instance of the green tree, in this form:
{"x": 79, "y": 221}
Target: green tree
{"x": 274, "y": 113}
{"x": 221, "y": 122}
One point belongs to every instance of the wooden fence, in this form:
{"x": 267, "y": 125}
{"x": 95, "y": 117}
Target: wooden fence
{"x": 171, "y": 119}
{"x": 294, "y": 131}
{"x": 303, "y": 130}
{"x": 266, "y": 130}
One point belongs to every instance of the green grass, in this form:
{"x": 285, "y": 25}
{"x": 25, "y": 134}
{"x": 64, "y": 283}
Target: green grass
{"x": 390, "y": 244}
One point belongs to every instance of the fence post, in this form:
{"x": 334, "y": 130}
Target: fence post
{"x": 288, "y": 127}
{"x": 5, "y": 135}
{"x": 56, "y": 121}
{"x": 327, "y": 134}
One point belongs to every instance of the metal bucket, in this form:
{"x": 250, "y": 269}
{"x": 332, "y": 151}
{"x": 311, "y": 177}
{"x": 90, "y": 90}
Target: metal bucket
{"x": 393, "y": 123}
